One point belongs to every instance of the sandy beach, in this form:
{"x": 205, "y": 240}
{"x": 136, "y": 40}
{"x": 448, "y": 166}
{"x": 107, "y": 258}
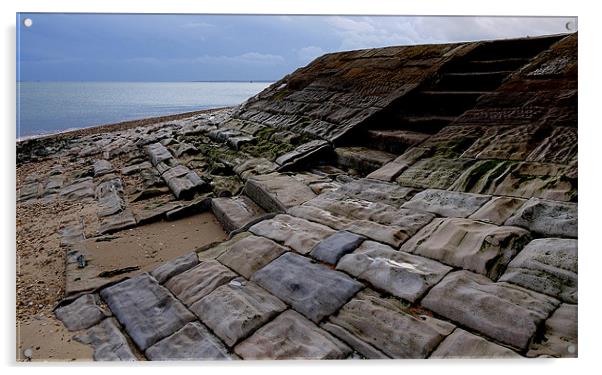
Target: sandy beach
{"x": 41, "y": 260}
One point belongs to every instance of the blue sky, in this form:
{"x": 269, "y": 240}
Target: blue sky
{"x": 110, "y": 47}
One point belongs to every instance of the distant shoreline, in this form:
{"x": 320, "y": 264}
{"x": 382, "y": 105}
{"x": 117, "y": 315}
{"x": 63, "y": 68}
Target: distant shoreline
{"x": 106, "y": 128}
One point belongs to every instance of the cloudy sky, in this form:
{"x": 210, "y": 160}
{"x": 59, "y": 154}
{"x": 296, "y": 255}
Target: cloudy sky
{"x": 101, "y": 47}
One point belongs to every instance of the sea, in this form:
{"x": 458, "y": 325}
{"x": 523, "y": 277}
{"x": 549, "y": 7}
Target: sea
{"x": 53, "y": 107}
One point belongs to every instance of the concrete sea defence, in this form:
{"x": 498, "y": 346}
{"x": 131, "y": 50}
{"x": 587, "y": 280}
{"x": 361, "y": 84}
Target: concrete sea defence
{"x": 434, "y": 187}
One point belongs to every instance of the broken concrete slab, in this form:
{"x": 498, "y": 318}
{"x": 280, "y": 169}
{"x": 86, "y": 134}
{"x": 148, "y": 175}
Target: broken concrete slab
{"x": 78, "y": 189}
{"x": 147, "y": 310}
{"x": 102, "y": 167}
{"x": 334, "y": 247}
{"x": 291, "y": 336}
{"x": 462, "y": 344}
{"x": 53, "y": 185}
{"x": 109, "y": 196}
{"x": 82, "y": 313}
{"x": 193, "y": 342}
{"x": 447, "y": 203}
{"x": 253, "y": 167}
{"x": 546, "y": 265}
{"x": 548, "y": 218}
{"x": 502, "y": 311}
{"x": 277, "y": 192}
{"x": 183, "y": 182}
{"x": 158, "y": 153}
{"x": 250, "y": 254}
{"x": 304, "y": 154}
{"x": 313, "y": 290}
{"x": 194, "y": 284}
{"x": 472, "y": 245}
{"x": 29, "y": 191}
{"x": 395, "y": 332}
{"x": 174, "y": 267}
{"x": 235, "y": 213}
{"x": 235, "y": 310}
{"x": 298, "y": 234}
{"x": 403, "y": 275}
{"x": 108, "y": 342}
{"x": 498, "y": 210}
{"x": 135, "y": 168}
{"x": 114, "y": 223}
{"x": 559, "y": 337}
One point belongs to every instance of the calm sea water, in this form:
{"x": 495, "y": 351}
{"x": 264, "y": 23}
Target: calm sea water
{"x": 50, "y": 107}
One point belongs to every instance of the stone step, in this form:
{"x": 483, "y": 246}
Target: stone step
{"x": 235, "y": 213}
{"x": 488, "y": 65}
{"x": 394, "y": 140}
{"x": 472, "y": 81}
{"x": 421, "y": 123}
{"x": 513, "y": 48}
{"x": 362, "y": 159}
{"x": 446, "y": 103}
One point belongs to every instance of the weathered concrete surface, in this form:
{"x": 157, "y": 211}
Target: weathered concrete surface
{"x": 395, "y": 332}
{"x": 194, "y": 284}
{"x": 82, "y": 313}
{"x": 311, "y": 289}
{"x": 375, "y": 220}
{"x": 506, "y": 313}
{"x": 193, "y": 342}
{"x": 298, "y": 234}
{"x": 235, "y": 213}
{"x": 102, "y": 167}
{"x": 377, "y": 191}
{"x": 498, "y": 210}
{"x": 291, "y": 336}
{"x": 331, "y": 249}
{"x": 549, "y": 218}
{"x": 435, "y": 173}
{"x": 401, "y": 274}
{"x": 469, "y": 244}
{"x": 176, "y": 266}
{"x": 250, "y": 254}
{"x": 462, "y": 344}
{"x": 276, "y": 192}
{"x": 394, "y": 168}
{"x": 108, "y": 342}
{"x": 114, "y": 223}
{"x": 559, "y": 337}
{"x": 78, "y": 189}
{"x": 329, "y": 97}
{"x": 483, "y": 126}
{"x": 362, "y": 159}
{"x": 303, "y": 154}
{"x": 147, "y": 311}
{"x": 215, "y": 250}
{"x": 546, "y": 265}
{"x": 447, "y": 203}
{"x": 236, "y": 309}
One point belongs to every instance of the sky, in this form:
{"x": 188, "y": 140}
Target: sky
{"x": 129, "y": 47}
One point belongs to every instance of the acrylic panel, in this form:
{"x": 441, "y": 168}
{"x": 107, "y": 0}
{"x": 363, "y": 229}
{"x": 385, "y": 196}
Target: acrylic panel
{"x": 238, "y": 187}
